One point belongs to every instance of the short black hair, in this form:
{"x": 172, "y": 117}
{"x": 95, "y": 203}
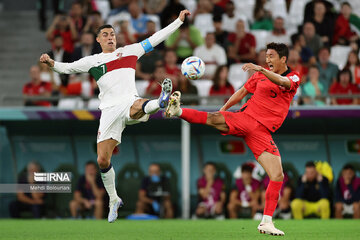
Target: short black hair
{"x": 210, "y": 164}
{"x": 310, "y": 164}
{"x": 103, "y": 27}
{"x": 324, "y": 48}
{"x": 345, "y": 71}
{"x": 280, "y": 48}
{"x": 348, "y": 166}
{"x": 246, "y": 168}
{"x": 90, "y": 163}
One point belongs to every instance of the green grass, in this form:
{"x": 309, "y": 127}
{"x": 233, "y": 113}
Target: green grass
{"x": 175, "y": 229}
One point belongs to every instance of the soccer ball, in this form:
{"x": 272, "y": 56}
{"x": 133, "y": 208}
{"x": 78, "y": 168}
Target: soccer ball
{"x": 193, "y": 68}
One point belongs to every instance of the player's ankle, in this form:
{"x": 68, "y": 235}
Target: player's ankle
{"x": 266, "y": 219}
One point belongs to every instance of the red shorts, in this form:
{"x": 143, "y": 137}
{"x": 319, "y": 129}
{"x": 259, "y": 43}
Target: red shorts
{"x": 256, "y": 135}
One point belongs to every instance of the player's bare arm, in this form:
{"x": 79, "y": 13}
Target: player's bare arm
{"x": 44, "y": 58}
{"x": 235, "y": 98}
{"x": 272, "y": 76}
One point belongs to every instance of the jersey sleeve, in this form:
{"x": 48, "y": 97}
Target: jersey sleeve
{"x": 251, "y": 83}
{"x": 148, "y": 44}
{"x": 294, "y": 78}
{"x": 80, "y": 66}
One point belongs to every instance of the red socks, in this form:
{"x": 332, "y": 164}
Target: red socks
{"x": 193, "y": 116}
{"x": 272, "y": 197}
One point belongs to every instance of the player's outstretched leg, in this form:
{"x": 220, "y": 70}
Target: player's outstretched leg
{"x": 105, "y": 149}
{"x": 152, "y": 106}
{"x": 213, "y": 119}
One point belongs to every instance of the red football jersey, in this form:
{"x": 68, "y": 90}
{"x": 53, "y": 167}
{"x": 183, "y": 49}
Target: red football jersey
{"x": 270, "y": 103}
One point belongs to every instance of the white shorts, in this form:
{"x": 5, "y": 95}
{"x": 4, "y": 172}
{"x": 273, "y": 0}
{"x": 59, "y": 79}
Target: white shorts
{"x": 348, "y": 209}
{"x": 114, "y": 119}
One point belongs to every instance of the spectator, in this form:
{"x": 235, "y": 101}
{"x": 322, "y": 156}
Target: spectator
{"x": 312, "y": 39}
{"x": 184, "y": 40}
{"x": 171, "y": 68}
{"x": 312, "y": 195}
{"x": 203, "y": 16}
{"x": 89, "y": 193}
{"x": 229, "y": 19}
{"x": 313, "y": 90}
{"x": 58, "y": 53}
{"x": 188, "y": 90}
{"x": 261, "y": 58}
{"x": 63, "y": 26}
{"x": 343, "y": 34}
{"x": 87, "y": 47}
{"x": 171, "y": 12}
{"x": 147, "y": 64}
{"x": 76, "y": 14}
{"x": 309, "y": 11}
{"x": 262, "y": 16}
{"x": 220, "y": 34}
{"x": 344, "y": 87}
{"x": 154, "y": 6}
{"x": 212, "y": 54}
{"x": 150, "y": 30}
{"x": 154, "y": 87}
{"x": 154, "y": 195}
{"x": 221, "y": 85}
{"x": 48, "y": 75}
{"x": 127, "y": 31}
{"x": 283, "y": 209}
{"x": 37, "y": 87}
{"x": 294, "y": 62}
{"x": 211, "y": 193}
{"x": 306, "y": 54}
{"x": 34, "y": 201}
{"x": 138, "y": 18}
{"x": 243, "y": 45}
{"x": 207, "y": 7}
{"x": 347, "y": 193}
{"x": 246, "y": 193}
{"x": 278, "y": 33}
{"x": 324, "y": 24}
{"x": 120, "y": 40}
{"x": 353, "y": 64}
{"x": 328, "y": 70}
{"x": 93, "y": 22}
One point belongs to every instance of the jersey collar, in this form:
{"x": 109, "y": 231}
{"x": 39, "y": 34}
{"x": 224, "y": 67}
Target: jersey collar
{"x": 286, "y": 72}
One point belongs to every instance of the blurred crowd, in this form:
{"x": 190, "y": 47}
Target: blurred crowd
{"x": 323, "y": 38}
{"x": 220, "y": 194}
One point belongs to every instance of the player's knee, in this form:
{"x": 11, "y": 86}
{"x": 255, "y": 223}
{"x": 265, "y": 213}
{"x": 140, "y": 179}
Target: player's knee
{"x": 324, "y": 204}
{"x": 73, "y": 204}
{"x": 103, "y": 162}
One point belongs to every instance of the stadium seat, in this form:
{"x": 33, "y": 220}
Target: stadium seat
{"x": 260, "y": 36}
{"x": 191, "y": 5}
{"x": 203, "y": 87}
{"x": 71, "y": 103}
{"x": 128, "y": 184}
{"x": 295, "y": 16}
{"x": 141, "y": 86}
{"x": 94, "y": 103}
{"x": 168, "y": 171}
{"x": 204, "y": 23}
{"x": 237, "y": 77}
{"x": 245, "y": 8}
{"x": 339, "y": 55}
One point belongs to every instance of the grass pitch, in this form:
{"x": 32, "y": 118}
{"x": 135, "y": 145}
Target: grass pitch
{"x": 175, "y": 229}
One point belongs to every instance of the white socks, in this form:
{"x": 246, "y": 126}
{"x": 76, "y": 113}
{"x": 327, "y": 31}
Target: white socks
{"x": 266, "y": 219}
{"x": 108, "y": 179}
{"x": 152, "y": 106}
{"x": 178, "y": 114}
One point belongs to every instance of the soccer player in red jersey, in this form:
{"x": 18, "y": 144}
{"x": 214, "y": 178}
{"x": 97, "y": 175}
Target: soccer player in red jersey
{"x": 273, "y": 89}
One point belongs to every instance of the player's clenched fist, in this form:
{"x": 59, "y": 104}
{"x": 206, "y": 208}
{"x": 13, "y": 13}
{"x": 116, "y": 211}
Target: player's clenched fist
{"x": 44, "y": 58}
{"x": 183, "y": 14}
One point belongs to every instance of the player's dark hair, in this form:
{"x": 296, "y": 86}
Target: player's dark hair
{"x": 310, "y": 164}
{"x": 280, "y": 48}
{"x": 103, "y": 27}
{"x": 246, "y": 168}
{"x": 348, "y": 166}
{"x": 90, "y": 163}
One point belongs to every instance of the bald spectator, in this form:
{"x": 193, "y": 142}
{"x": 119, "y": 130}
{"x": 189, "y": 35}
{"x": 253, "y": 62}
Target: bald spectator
{"x": 34, "y": 201}
{"x": 37, "y": 87}
{"x": 278, "y": 33}
{"x": 243, "y": 45}
{"x": 312, "y": 39}
{"x": 212, "y": 54}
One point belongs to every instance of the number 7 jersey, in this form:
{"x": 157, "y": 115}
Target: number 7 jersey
{"x": 270, "y": 103}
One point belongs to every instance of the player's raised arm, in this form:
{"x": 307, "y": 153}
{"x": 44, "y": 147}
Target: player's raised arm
{"x": 274, "y": 77}
{"x": 79, "y": 66}
{"x": 235, "y": 98}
